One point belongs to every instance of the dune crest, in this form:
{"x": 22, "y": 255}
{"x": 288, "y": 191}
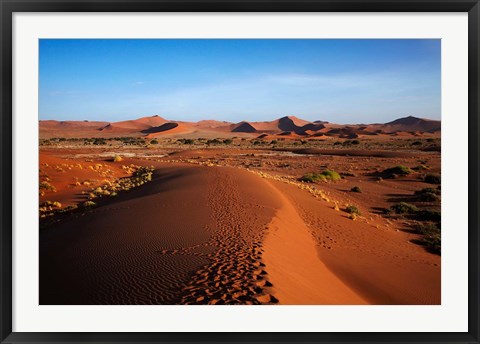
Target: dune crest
{"x": 298, "y": 275}
{"x": 146, "y": 126}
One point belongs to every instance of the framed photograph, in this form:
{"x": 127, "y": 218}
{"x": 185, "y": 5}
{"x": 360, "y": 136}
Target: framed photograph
{"x": 239, "y": 171}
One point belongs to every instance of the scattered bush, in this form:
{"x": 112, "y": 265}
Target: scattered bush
{"x": 428, "y": 197}
{"x": 324, "y": 176}
{"x": 352, "y": 210}
{"x": 117, "y": 158}
{"x": 46, "y": 186}
{"x": 398, "y": 170}
{"x": 404, "y": 208}
{"x": 99, "y": 141}
{"x": 228, "y": 141}
{"x": 433, "y": 243}
{"x": 428, "y": 190}
{"x": 154, "y": 142}
{"x": 427, "y": 228}
{"x": 51, "y": 204}
{"x": 432, "y": 179}
{"x": 89, "y": 204}
{"x": 213, "y": 142}
{"x": 429, "y": 215}
{"x": 186, "y": 141}
{"x": 356, "y": 189}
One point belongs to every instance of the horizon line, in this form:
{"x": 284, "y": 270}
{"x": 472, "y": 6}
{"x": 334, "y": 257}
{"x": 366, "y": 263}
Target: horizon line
{"x": 241, "y": 121}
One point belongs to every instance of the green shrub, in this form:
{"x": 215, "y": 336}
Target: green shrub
{"x": 312, "y": 177}
{"x": 432, "y": 179}
{"x": 399, "y": 170}
{"x": 213, "y": 142}
{"x": 356, "y": 189}
{"x": 351, "y": 209}
{"x": 429, "y": 215}
{"x": 228, "y": 141}
{"x": 331, "y": 175}
{"x": 324, "y": 176}
{"x": 427, "y": 228}
{"x": 433, "y": 243}
{"x": 47, "y": 186}
{"x": 404, "y": 208}
{"x": 154, "y": 142}
{"x": 89, "y": 204}
{"x": 428, "y": 197}
{"x": 428, "y": 190}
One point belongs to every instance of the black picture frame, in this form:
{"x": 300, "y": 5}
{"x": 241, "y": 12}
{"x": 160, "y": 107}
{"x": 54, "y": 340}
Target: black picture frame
{"x": 8, "y": 7}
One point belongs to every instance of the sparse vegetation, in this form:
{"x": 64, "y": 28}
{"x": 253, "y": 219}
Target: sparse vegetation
{"x": 428, "y": 195}
{"x": 420, "y": 168}
{"x": 404, "y": 208}
{"x": 324, "y": 176}
{"x": 139, "y": 176}
{"x": 356, "y": 189}
{"x": 214, "y": 142}
{"x": 46, "y": 186}
{"x": 117, "y": 158}
{"x": 88, "y": 204}
{"x": 49, "y": 207}
{"x": 353, "y": 210}
{"x": 186, "y": 141}
{"x": 397, "y": 170}
{"x": 429, "y": 215}
{"x": 432, "y": 243}
{"x": 427, "y": 228}
{"x": 432, "y": 179}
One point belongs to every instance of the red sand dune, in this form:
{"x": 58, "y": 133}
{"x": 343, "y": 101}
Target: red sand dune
{"x": 188, "y": 227}
{"x": 408, "y": 126}
{"x": 222, "y": 235}
{"x": 168, "y": 128}
{"x": 211, "y": 124}
{"x": 135, "y": 125}
{"x": 382, "y": 267}
{"x": 48, "y": 129}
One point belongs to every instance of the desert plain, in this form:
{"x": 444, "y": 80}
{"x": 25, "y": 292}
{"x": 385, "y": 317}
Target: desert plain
{"x": 285, "y": 212}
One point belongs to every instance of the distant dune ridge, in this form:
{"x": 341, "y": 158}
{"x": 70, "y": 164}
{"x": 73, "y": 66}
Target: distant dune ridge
{"x": 288, "y": 126}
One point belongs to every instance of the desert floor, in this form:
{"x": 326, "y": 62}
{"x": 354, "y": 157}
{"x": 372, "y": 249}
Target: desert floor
{"x": 233, "y": 224}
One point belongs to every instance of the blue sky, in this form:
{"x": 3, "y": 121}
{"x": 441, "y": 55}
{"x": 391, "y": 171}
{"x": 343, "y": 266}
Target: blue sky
{"x": 342, "y": 81}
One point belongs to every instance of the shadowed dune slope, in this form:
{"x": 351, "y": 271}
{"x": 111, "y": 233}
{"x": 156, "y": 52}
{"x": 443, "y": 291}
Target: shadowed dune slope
{"x": 112, "y": 254}
{"x": 148, "y": 245}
